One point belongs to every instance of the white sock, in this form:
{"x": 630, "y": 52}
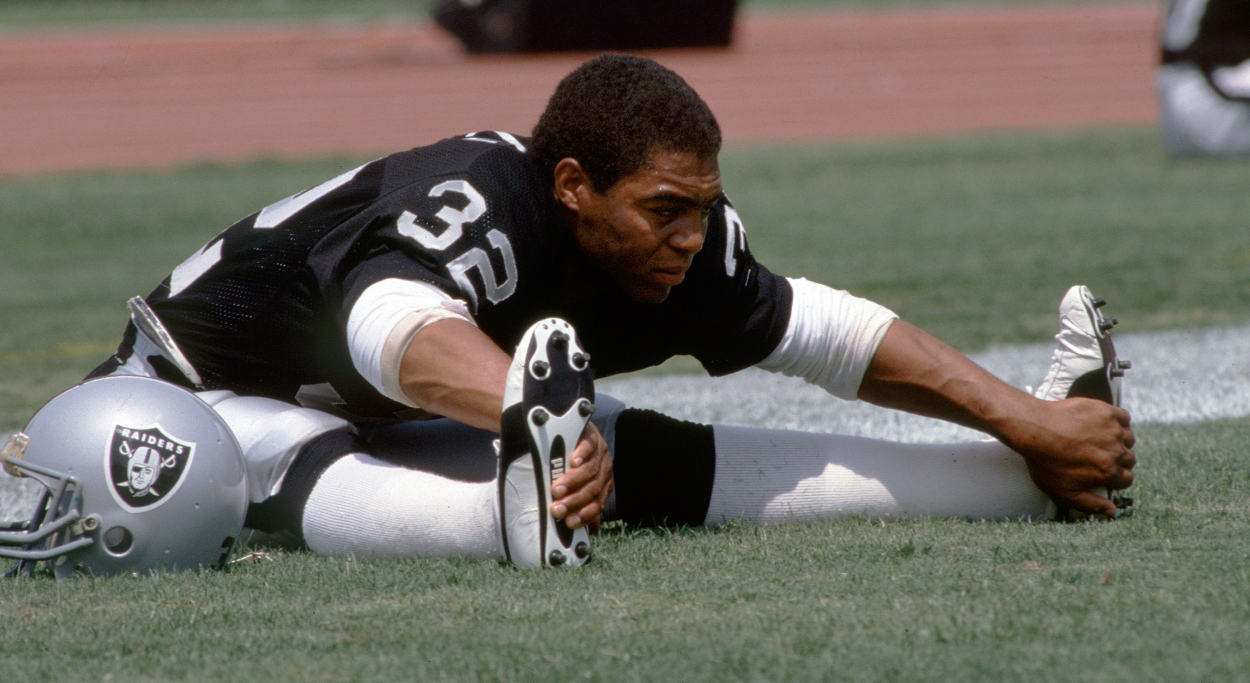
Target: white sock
{"x": 368, "y": 508}
{"x": 767, "y": 476}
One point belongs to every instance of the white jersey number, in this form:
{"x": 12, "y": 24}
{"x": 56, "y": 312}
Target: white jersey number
{"x": 479, "y": 259}
{"x": 475, "y": 258}
{"x": 454, "y": 218}
{"x": 735, "y": 240}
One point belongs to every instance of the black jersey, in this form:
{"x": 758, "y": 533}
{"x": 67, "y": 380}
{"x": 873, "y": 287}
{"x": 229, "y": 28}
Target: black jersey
{"x": 262, "y": 309}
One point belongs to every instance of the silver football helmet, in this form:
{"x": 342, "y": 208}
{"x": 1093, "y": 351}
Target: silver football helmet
{"x": 138, "y": 475}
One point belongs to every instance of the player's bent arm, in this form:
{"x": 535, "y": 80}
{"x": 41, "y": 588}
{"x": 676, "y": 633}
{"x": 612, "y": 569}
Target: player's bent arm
{"x": 420, "y": 347}
{"x": 1071, "y": 447}
{"x": 452, "y": 368}
{"x": 383, "y": 321}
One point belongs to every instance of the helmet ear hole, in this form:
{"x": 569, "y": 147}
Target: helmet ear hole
{"x": 118, "y": 540}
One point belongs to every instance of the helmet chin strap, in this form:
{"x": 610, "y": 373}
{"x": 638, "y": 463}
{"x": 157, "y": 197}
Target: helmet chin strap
{"x": 14, "y": 448}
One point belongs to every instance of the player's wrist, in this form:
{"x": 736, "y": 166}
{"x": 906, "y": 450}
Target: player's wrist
{"x": 1018, "y": 420}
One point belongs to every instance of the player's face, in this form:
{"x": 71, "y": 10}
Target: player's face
{"x": 646, "y": 229}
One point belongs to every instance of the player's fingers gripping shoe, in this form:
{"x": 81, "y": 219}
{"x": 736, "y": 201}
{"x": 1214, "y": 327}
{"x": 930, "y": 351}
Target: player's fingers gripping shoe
{"x": 547, "y": 402}
{"x": 1084, "y": 365}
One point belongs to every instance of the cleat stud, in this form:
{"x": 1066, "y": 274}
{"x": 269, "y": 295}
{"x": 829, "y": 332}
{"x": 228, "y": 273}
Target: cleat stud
{"x": 1125, "y": 364}
{"x": 585, "y": 408}
{"x": 539, "y": 417}
{"x": 540, "y": 368}
{"x": 582, "y": 550}
{"x": 556, "y": 558}
{"x": 580, "y": 360}
{"x": 1106, "y": 325}
{"x": 1099, "y": 302}
{"x": 559, "y": 339}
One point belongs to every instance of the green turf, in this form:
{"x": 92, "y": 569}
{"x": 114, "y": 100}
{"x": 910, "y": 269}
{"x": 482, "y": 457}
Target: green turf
{"x": 1162, "y": 596}
{"x": 16, "y": 14}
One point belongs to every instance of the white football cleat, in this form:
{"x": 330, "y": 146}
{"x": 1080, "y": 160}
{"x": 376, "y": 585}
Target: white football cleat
{"x": 1085, "y": 365}
{"x": 548, "y": 400}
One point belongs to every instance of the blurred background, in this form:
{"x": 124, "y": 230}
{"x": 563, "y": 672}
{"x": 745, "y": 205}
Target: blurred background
{"x": 126, "y": 83}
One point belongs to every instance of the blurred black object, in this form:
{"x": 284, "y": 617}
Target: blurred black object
{"x": 1223, "y": 36}
{"x": 586, "y": 25}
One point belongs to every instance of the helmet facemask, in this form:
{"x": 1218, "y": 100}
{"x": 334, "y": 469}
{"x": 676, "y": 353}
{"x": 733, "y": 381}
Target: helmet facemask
{"x": 56, "y": 528}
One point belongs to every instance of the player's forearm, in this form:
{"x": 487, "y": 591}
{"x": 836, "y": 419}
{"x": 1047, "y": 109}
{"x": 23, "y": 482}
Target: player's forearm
{"x": 452, "y": 368}
{"x": 914, "y": 372}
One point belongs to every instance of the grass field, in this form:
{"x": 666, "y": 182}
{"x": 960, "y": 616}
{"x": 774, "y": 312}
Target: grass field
{"x": 1162, "y": 597}
{"x": 974, "y": 237}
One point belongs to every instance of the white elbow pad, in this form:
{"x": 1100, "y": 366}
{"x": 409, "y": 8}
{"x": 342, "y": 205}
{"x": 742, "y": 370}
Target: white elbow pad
{"x": 384, "y": 320}
{"x": 831, "y": 338}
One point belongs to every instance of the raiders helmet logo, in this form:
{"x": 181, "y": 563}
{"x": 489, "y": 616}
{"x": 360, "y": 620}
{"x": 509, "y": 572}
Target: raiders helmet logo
{"x": 146, "y": 465}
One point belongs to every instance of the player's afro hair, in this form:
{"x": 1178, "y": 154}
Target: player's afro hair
{"x": 614, "y": 111}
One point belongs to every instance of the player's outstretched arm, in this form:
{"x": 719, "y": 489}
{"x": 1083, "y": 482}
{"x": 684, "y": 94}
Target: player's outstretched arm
{"x": 452, "y": 368}
{"x": 1071, "y": 447}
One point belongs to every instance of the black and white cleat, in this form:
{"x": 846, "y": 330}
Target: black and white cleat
{"x": 548, "y": 400}
{"x": 1085, "y": 365}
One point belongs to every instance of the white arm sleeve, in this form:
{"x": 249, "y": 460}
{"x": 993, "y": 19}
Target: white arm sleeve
{"x": 831, "y": 338}
{"x": 382, "y": 323}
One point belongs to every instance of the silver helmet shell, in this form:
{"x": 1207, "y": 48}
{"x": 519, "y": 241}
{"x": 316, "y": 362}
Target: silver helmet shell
{"x": 139, "y": 476}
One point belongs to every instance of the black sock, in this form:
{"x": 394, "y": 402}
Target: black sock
{"x": 664, "y": 469}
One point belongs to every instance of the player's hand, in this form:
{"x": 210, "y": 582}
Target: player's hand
{"x": 1075, "y": 447}
{"x": 581, "y": 493}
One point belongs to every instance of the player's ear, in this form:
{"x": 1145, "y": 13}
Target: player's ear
{"x": 571, "y": 184}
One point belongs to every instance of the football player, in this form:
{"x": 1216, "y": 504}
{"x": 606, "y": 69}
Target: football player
{"x": 329, "y": 328}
